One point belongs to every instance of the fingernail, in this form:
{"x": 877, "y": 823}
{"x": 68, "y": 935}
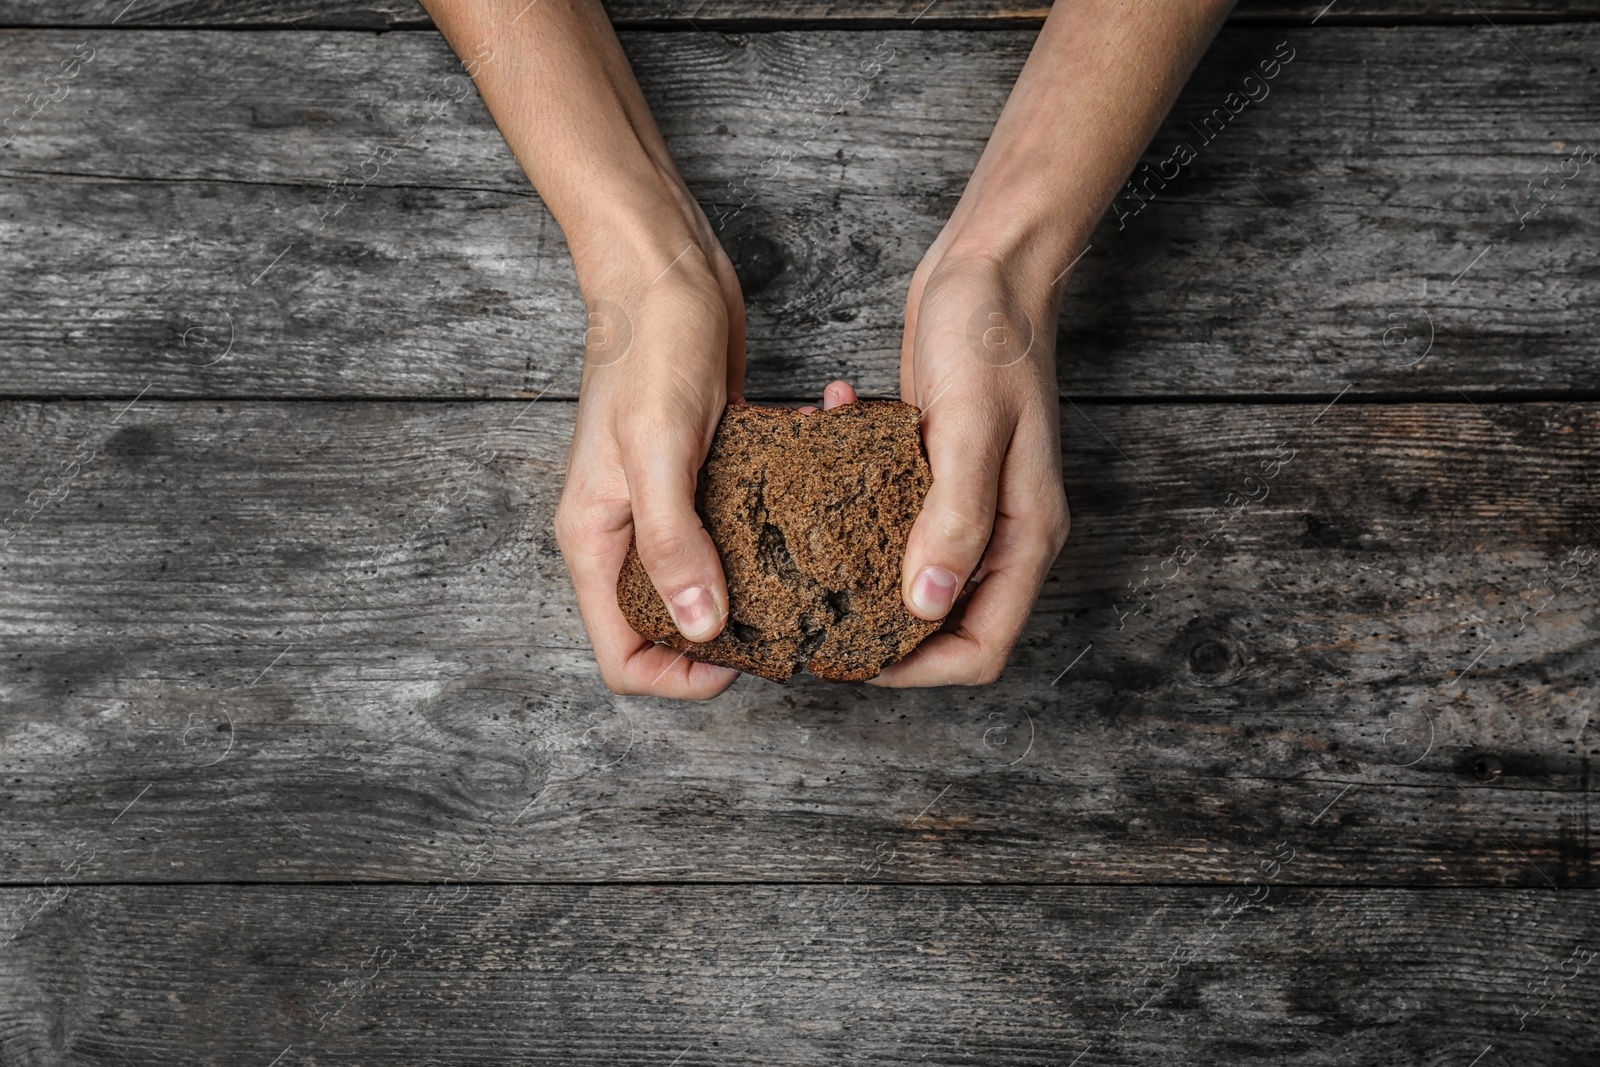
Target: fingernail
{"x": 934, "y": 591}
{"x": 694, "y": 612}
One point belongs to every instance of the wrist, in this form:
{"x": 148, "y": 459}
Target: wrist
{"x": 634, "y": 229}
{"x": 1024, "y": 223}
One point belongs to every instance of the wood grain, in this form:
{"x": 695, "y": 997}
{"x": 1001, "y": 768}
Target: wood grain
{"x": 800, "y": 975}
{"x": 174, "y": 200}
{"x": 717, "y": 14}
{"x": 275, "y": 615}
{"x": 321, "y": 641}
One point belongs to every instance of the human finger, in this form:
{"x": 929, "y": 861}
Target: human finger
{"x": 837, "y": 394}
{"x": 661, "y": 460}
{"x": 594, "y": 544}
{"x": 966, "y": 439}
{"x": 991, "y": 621}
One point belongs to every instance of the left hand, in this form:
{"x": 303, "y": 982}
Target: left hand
{"x": 978, "y": 358}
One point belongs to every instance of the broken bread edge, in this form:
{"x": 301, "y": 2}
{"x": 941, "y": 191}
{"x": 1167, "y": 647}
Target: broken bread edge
{"x": 785, "y": 604}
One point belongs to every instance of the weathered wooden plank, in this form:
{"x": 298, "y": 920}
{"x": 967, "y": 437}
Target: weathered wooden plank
{"x": 800, "y": 975}
{"x": 1367, "y": 206}
{"x": 715, "y": 14}
{"x": 317, "y": 641}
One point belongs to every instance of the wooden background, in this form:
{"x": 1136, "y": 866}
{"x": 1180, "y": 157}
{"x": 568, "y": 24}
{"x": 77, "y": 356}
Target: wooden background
{"x": 303, "y": 756}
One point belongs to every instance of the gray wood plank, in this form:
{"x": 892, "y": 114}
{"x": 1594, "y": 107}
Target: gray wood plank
{"x": 397, "y": 14}
{"x": 313, "y": 641}
{"x": 801, "y": 975}
{"x": 1365, "y": 208}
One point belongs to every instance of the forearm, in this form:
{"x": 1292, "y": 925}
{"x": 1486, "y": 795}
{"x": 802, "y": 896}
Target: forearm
{"x": 566, "y": 101}
{"x": 1101, "y": 77}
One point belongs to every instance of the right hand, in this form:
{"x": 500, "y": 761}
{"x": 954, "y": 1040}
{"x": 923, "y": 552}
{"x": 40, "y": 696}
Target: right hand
{"x": 664, "y": 353}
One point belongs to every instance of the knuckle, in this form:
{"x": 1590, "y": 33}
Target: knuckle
{"x": 566, "y": 511}
{"x": 578, "y": 524}
{"x": 962, "y": 530}
{"x": 569, "y": 527}
{"x": 1058, "y": 521}
{"x": 616, "y": 673}
{"x": 983, "y": 665}
{"x": 666, "y": 546}
{"x": 981, "y": 672}
{"x": 618, "y": 683}
{"x": 1058, "y": 540}
{"x": 989, "y": 670}
{"x": 991, "y": 666}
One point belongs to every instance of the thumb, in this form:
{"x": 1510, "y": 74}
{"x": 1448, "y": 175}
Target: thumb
{"x": 674, "y": 546}
{"x": 966, "y": 445}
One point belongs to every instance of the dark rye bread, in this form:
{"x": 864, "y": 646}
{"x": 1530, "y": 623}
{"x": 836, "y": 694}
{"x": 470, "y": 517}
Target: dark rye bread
{"x": 810, "y": 514}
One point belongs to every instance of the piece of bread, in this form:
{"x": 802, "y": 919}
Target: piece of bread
{"x": 810, "y": 514}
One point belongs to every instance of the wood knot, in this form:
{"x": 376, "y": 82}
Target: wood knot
{"x": 1486, "y": 768}
{"x": 1213, "y": 656}
{"x": 758, "y": 260}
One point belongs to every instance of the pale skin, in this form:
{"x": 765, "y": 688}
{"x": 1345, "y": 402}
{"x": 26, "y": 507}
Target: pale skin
{"x": 1100, "y": 78}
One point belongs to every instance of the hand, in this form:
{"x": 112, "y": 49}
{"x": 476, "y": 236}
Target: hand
{"x": 663, "y": 354}
{"x": 978, "y": 359}
{"x": 665, "y": 344}
{"x": 979, "y": 349}
{"x": 631, "y": 432}
{"x": 1101, "y": 75}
